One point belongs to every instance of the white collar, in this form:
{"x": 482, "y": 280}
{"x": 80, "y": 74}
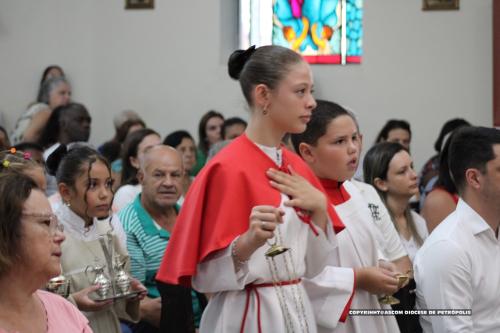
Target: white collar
{"x": 50, "y": 150}
{"x": 56, "y": 145}
{"x": 74, "y": 225}
{"x": 471, "y": 219}
{"x": 275, "y": 154}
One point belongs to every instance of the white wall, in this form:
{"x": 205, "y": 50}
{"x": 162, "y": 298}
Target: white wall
{"x": 169, "y": 63}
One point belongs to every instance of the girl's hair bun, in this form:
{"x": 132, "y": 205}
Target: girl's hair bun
{"x": 237, "y": 61}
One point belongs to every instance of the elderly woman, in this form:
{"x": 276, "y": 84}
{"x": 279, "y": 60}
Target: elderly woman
{"x": 29, "y": 127}
{"x": 30, "y": 251}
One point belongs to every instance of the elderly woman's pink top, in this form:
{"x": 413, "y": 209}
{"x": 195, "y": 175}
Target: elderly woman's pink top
{"x": 62, "y": 316}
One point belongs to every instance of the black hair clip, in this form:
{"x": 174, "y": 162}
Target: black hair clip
{"x": 55, "y": 159}
{"x": 248, "y": 53}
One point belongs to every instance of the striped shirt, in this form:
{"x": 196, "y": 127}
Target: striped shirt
{"x": 146, "y": 243}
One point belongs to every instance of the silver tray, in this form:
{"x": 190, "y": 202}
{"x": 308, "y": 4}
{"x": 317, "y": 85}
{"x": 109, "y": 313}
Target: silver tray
{"x": 130, "y": 294}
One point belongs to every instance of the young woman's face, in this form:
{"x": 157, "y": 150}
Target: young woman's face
{"x": 401, "y": 178}
{"x": 335, "y": 155}
{"x": 400, "y": 136}
{"x": 60, "y": 95}
{"x": 187, "y": 148}
{"x": 91, "y": 195}
{"x": 213, "y": 130}
{"x": 291, "y": 103}
{"x": 40, "y": 239}
{"x": 148, "y": 141}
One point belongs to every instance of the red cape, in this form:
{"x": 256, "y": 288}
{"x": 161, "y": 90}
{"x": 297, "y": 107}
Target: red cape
{"x": 218, "y": 205}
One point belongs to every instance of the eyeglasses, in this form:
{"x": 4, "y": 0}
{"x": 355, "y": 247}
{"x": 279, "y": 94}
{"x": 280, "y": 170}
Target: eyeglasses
{"x": 54, "y": 224}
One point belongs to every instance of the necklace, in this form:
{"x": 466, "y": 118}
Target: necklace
{"x": 279, "y": 159}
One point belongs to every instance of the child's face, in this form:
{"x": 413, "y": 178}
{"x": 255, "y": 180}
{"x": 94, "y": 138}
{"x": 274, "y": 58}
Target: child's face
{"x": 291, "y": 103}
{"x": 96, "y": 189}
{"x": 336, "y": 153}
{"x": 234, "y": 131}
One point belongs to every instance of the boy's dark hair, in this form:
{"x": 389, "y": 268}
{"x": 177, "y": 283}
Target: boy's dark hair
{"x": 175, "y": 138}
{"x": 230, "y": 122}
{"x": 321, "y": 117}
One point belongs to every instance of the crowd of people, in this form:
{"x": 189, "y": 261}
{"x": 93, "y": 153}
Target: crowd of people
{"x": 275, "y": 225}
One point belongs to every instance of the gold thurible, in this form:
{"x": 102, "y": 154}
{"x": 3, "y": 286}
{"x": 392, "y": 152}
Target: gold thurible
{"x": 275, "y": 250}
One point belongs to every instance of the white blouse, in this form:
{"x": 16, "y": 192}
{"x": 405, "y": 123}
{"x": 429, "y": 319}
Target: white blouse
{"x": 75, "y": 226}
{"x": 411, "y": 246}
{"x": 125, "y": 195}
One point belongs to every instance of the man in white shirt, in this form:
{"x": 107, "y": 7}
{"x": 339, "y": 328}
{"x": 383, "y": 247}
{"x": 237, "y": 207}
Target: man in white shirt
{"x": 458, "y": 267}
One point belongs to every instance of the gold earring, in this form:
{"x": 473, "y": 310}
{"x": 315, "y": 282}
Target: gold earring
{"x": 264, "y": 110}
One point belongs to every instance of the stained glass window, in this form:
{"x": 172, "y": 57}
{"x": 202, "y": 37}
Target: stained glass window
{"x": 323, "y": 31}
